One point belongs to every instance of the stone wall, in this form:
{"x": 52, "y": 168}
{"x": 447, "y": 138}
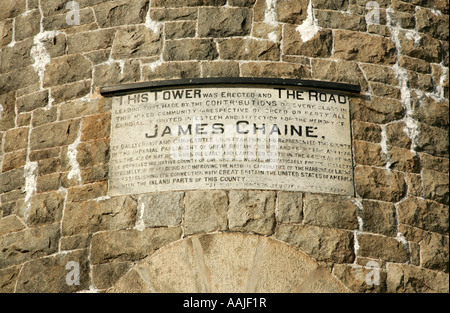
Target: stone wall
{"x": 55, "y": 128}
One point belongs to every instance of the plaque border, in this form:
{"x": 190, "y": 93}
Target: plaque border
{"x": 117, "y": 90}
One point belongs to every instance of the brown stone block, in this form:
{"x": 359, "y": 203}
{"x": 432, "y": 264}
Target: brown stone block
{"x": 339, "y": 72}
{"x": 289, "y": 208}
{"x": 434, "y": 163}
{"x": 249, "y": 49}
{"x": 173, "y": 14}
{"x": 190, "y": 49}
{"x": 220, "y": 69}
{"x": 379, "y": 217}
{"x": 162, "y": 209}
{"x": 8, "y": 116}
{"x": 49, "y": 274}
{"x": 92, "y": 216}
{"x": 424, "y": 214}
{"x": 10, "y": 224}
{"x": 432, "y": 112}
{"x": 330, "y": 211}
{"x": 67, "y": 69}
{"x": 46, "y": 208}
{"x": 380, "y": 74}
{"x": 381, "y": 247}
{"x": 377, "y": 110}
{"x": 131, "y": 244}
{"x": 17, "y": 56}
{"x": 224, "y": 22}
{"x": 172, "y": 70}
{"x": 12, "y": 180}
{"x": 106, "y": 275}
{"x": 318, "y": 46}
{"x": 367, "y": 153}
{"x": 205, "y": 211}
{"x": 121, "y": 12}
{"x": 87, "y": 192}
{"x": 340, "y": 20}
{"x": 404, "y": 160}
{"x": 8, "y": 279}
{"x": 71, "y": 91}
{"x": 432, "y": 24}
{"x": 6, "y": 27}
{"x": 27, "y": 25}
{"x": 432, "y": 140}
{"x": 355, "y": 278}
{"x": 88, "y": 41}
{"x": 404, "y": 278}
{"x": 321, "y": 243}
{"x": 379, "y": 184}
{"x": 17, "y": 79}
{"x": 355, "y": 46}
{"x": 96, "y": 126}
{"x": 397, "y": 136}
{"x": 14, "y": 160}
{"x": 435, "y": 186}
{"x": 32, "y": 101}
{"x": 252, "y": 211}
{"x": 366, "y": 131}
{"x": 48, "y": 182}
{"x": 16, "y": 139}
{"x": 54, "y": 134}
{"x": 428, "y": 48}
{"x": 187, "y": 3}
{"x": 291, "y": 11}
{"x": 180, "y": 29}
{"x": 27, "y": 244}
{"x": 275, "y": 69}
{"x": 136, "y": 41}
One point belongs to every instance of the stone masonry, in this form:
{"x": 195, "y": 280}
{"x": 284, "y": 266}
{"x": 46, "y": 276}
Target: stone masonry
{"x": 55, "y": 142}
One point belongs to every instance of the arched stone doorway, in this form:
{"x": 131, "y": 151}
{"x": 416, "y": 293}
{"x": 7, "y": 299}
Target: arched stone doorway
{"x": 228, "y": 262}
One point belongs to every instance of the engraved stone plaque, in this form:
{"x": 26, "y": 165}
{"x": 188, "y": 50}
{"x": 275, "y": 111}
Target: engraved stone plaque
{"x": 231, "y": 136}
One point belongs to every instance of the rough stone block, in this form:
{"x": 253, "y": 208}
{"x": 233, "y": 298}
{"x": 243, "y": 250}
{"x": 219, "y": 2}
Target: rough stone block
{"x": 367, "y": 153}
{"x": 435, "y": 186}
{"x": 130, "y": 245}
{"x": 249, "y": 49}
{"x": 330, "y": 211}
{"x": 318, "y": 46}
{"x": 381, "y": 247}
{"x": 162, "y": 209}
{"x": 67, "y": 69}
{"x": 136, "y": 41}
{"x": 379, "y": 184}
{"x": 205, "y": 211}
{"x": 54, "y": 134}
{"x": 252, "y": 211}
{"x": 224, "y": 22}
{"x": 122, "y": 12}
{"x": 424, "y": 214}
{"x": 190, "y": 49}
{"x": 289, "y": 207}
{"x": 321, "y": 243}
{"x": 379, "y": 217}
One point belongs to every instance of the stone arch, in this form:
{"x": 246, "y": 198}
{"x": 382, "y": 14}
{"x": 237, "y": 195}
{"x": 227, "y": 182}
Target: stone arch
{"x": 228, "y": 262}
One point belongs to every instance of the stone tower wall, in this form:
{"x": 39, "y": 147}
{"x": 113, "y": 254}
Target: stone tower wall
{"x": 55, "y": 135}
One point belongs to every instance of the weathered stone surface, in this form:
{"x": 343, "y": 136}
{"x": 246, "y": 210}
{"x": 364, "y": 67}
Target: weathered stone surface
{"x": 136, "y": 41}
{"x": 32, "y": 101}
{"x": 339, "y": 72}
{"x": 381, "y": 247}
{"x": 434, "y": 252}
{"x": 428, "y": 49}
{"x": 432, "y": 140}
{"x": 434, "y": 163}
{"x": 130, "y": 245}
{"x": 122, "y": 12}
{"x": 414, "y": 64}
{"x": 355, "y": 278}
{"x": 355, "y": 46}
{"x": 205, "y": 266}
{"x": 377, "y": 110}
{"x": 397, "y": 136}
{"x": 412, "y": 279}
{"x": 8, "y": 115}
{"x": 433, "y": 24}
{"x": 220, "y": 69}
{"x": 289, "y": 208}
{"x": 334, "y": 5}
{"x": 16, "y": 139}
{"x": 12, "y": 180}
{"x": 432, "y": 113}
{"x": 224, "y": 22}
{"x": 8, "y": 278}
{"x": 318, "y": 46}
{"x": 49, "y": 274}
{"x": 54, "y": 134}
{"x": 291, "y": 11}
{"x": 5, "y": 32}
{"x": 367, "y": 153}
{"x": 16, "y": 79}
{"x": 58, "y": 22}
{"x": 88, "y": 41}
{"x": 275, "y": 69}
{"x": 173, "y": 14}
{"x": 321, "y": 243}
{"x": 379, "y": 184}
{"x": 71, "y": 91}
{"x": 187, "y": 3}
{"x": 106, "y": 275}
{"x": 252, "y": 211}
{"x": 404, "y": 160}
{"x": 435, "y": 186}
{"x": 330, "y": 211}
{"x": 44, "y": 115}
{"x": 67, "y": 69}
{"x": 171, "y": 70}
{"x": 10, "y": 224}
{"x": 46, "y": 208}
{"x": 16, "y": 57}
{"x": 180, "y": 29}
{"x": 96, "y": 126}
{"x": 116, "y": 73}
{"x": 366, "y": 131}
{"x": 27, "y": 25}
{"x": 249, "y": 49}
{"x": 379, "y": 217}
{"x": 190, "y": 49}
{"x": 93, "y": 216}
{"x": 14, "y": 160}
{"x": 340, "y": 20}
{"x": 161, "y": 209}
{"x": 12, "y": 9}
{"x": 424, "y": 214}
{"x": 28, "y": 244}
{"x": 205, "y": 211}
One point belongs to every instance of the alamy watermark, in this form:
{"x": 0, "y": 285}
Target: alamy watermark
{"x": 73, "y": 17}
{"x": 73, "y": 276}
